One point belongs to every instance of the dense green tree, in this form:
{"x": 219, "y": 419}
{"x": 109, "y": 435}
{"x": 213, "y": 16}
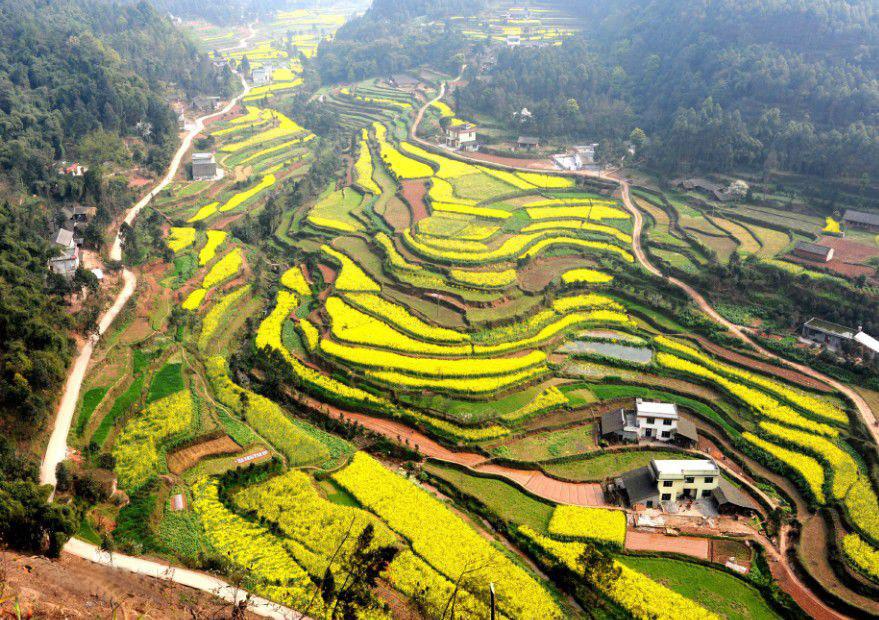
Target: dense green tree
{"x": 720, "y": 84}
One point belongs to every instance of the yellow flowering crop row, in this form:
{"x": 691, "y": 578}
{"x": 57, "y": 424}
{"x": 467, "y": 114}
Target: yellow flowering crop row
{"x": 443, "y": 108}
{"x": 598, "y": 524}
{"x": 577, "y": 243}
{"x": 485, "y": 279}
{"x": 295, "y": 281}
{"x": 546, "y": 181}
{"x": 266, "y": 417}
{"x": 642, "y": 597}
{"x": 215, "y": 318}
{"x": 431, "y": 367}
{"x": 194, "y": 299}
{"x": 353, "y": 326}
{"x": 863, "y": 507}
{"x": 576, "y": 224}
{"x": 583, "y": 203}
{"x": 252, "y": 548}
{"x": 508, "y": 250}
{"x": 136, "y": 449}
{"x": 400, "y": 317}
{"x": 397, "y": 260}
{"x": 448, "y": 544}
{"x": 259, "y": 92}
{"x": 381, "y": 101}
{"x": 363, "y": 168}
{"x": 443, "y": 191}
{"x": 464, "y": 209}
{"x": 844, "y": 470}
{"x": 453, "y": 244}
{"x": 460, "y": 385}
{"x": 757, "y": 400}
{"x": 446, "y": 168}
{"x": 215, "y": 240}
{"x": 351, "y": 277}
{"x": 283, "y": 128}
{"x": 507, "y": 177}
{"x": 588, "y": 300}
{"x": 585, "y": 212}
{"x": 204, "y": 212}
{"x": 549, "y": 398}
{"x": 586, "y": 276}
{"x": 223, "y": 269}
{"x": 269, "y": 335}
{"x": 811, "y": 470}
{"x": 401, "y": 166}
{"x": 274, "y": 149}
{"x": 330, "y": 224}
{"x": 181, "y": 238}
{"x": 862, "y": 554}
{"x": 313, "y": 527}
{"x": 242, "y": 197}
{"x": 552, "y": 330}
{"x": 847, "y": 482}
{"x": 811, "y": 404}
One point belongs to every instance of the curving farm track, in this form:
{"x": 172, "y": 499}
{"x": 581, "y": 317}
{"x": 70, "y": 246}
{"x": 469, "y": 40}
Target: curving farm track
{"x": 56, "y": 450}
{"x": 778, "y": 561}
{"x": 868, "y": 416}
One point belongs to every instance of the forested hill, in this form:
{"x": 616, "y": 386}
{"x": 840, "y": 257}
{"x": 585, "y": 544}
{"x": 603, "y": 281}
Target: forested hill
{"x": 76, "y": 76}
{"x": 229, "y": 12}
{"x": 69, "y": 68}
{"x": 392, "y": 36}
{"x": 715, "y": 84}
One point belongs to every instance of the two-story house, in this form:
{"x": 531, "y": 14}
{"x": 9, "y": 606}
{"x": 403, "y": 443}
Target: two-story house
{"x": 651, "y": 421}
{"x": 461, "y": 135}
{"x": 664, "y": 482}
{"x": 670, "y": 481}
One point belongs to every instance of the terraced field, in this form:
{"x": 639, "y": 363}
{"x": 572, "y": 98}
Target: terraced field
{"x": 493, "y": 311}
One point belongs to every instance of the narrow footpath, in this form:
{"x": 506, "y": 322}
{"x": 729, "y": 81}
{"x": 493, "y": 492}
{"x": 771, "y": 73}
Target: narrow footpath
{"x": 56, "y": 449}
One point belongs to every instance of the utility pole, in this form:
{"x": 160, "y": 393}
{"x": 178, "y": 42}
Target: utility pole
{"x": 493, "y": 600}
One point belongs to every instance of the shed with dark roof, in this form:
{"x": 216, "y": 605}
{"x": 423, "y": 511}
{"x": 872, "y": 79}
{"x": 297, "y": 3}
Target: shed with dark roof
{"x": 732, "y": 500}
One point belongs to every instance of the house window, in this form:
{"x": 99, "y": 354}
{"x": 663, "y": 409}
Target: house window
{"x": 651, "y": 420}
{"x": 666, "y": 434}
{"x": 706, "y": 493}
{"x": 709, "y": 479}
{"x": 666, "y": 497}
{"x": 689, "y": 480}
{"x": 667, "y": 422}
{"x": 667, "y": 483}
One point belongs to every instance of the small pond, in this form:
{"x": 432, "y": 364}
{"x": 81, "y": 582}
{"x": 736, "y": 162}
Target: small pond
{"x": 626, "y": 353}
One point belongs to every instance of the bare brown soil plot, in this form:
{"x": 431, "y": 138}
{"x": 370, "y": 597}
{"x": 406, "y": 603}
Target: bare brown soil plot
{"x": 538, "y": 273}
{"x": 183, "y": 459}
{"x": 537, "y": 164}
{"x": 836, "y": 265}
{"x": 849, "y": 251}
{"x": 414, "y": 193}
{"x": 814, "y": 545}
{"x": 770, "y": 369}
{"x": 686, "y": 545}
{"x": 71, "y": 587}
{"x": 396, "y": 213}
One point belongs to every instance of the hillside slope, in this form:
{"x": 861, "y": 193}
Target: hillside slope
{"x": 714, "y": 84}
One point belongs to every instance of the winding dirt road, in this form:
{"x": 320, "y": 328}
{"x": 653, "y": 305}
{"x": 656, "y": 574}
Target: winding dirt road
{"x": 868, "y": 416}
{"x": 778, "y": 562}
{"x": 56, "y": 449}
